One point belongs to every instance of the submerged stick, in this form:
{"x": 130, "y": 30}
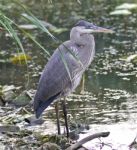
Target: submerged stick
{"x": 88, "y": 138}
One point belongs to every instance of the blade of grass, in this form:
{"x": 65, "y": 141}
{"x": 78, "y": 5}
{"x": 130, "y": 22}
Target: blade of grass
{"x": 35, "y": 41}
{"x": 27, "y": 34}
{"x": 65, "y": 64}
{"x": 34, "y": 20}
{"x": 37, "y": 22}
{"x": 6, "y": 23}
{"x": 72, "y": 53}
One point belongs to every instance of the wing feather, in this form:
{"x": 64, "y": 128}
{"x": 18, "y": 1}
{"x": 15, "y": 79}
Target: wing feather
{"x": 55, "y": 78}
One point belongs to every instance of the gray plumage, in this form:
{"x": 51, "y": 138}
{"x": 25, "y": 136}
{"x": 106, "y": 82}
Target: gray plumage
{"x": 55, "y": 81}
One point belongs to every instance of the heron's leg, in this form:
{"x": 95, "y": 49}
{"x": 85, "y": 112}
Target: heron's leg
{"x": 65, "y": 116}
{"x": 83, "y": 84}
{"x": 57, "y": 116}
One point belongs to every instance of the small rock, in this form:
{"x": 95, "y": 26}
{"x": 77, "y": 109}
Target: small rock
{"x": 9, "y": 128}
{"x": 49, "y": 146}
{"x": 8, "y": 96}
{"x": 22, "y": 100}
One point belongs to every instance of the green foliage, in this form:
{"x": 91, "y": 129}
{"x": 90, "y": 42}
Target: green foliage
{"x": 9, "y": 25}
{"x": 13, "y": 28}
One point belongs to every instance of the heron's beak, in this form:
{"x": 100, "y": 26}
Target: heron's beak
{"x": 97, "y": 29}
{"x": 94, "y": 29}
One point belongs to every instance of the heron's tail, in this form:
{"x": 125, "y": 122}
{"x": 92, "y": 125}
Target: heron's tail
{"x": 42, "y": 105}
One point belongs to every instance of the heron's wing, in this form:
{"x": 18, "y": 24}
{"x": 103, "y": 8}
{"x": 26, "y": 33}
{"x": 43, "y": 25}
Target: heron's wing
{"x": 55, "y": 78}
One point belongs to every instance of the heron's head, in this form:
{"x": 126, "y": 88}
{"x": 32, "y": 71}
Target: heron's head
{"x": 87, "y": 27}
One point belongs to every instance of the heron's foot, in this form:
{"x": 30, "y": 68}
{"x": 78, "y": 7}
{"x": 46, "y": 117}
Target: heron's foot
{"x": 32, "y": 120}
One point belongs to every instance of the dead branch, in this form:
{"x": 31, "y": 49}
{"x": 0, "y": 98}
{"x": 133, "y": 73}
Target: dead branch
{"x": 133, "y": 143}
{"x": 88, "y": 138}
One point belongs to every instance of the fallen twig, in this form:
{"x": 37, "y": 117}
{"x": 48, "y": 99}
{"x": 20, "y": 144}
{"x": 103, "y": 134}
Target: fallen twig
{"x": 88, "y": 138}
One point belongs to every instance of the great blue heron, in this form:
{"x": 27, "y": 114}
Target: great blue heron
{"x": 58, "y": 79}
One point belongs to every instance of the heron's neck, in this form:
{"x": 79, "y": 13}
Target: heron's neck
{"x": 87, "y": 43}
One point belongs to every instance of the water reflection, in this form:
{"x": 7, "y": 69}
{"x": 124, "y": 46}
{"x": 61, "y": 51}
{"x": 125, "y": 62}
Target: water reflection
{"x": 109, "y": 106}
